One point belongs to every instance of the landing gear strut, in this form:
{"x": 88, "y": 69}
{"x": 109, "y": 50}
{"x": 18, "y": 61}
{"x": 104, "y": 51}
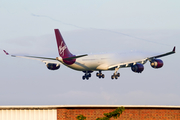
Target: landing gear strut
{"x": 100, "y": 75}
{"x": 87, "y": 75}
{"x": 115, "y": 75}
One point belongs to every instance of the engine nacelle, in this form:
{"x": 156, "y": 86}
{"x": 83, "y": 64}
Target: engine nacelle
{"x": 156, "y": 63}
{"x": 138, "y": 68}
{"x": 53, "y": 66}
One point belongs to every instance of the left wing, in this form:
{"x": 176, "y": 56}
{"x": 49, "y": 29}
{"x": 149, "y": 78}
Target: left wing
{"x": 143, "y": 61}
{"x": 165, "y": 54}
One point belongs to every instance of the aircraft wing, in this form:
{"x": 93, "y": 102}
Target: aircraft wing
{"x": 165, "y": 54}
{"x": 142, "y": 61}
{"x": 45, "y": 59}
{"x": 42, "y": 59}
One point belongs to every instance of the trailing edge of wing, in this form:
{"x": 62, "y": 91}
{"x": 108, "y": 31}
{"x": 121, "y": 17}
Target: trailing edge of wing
{"x": 127, "y": 64}
{"x": 37, "y": 57}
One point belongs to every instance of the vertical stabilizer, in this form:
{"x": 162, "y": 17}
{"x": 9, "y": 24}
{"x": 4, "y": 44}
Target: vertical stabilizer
{"x": 62, "y": 48}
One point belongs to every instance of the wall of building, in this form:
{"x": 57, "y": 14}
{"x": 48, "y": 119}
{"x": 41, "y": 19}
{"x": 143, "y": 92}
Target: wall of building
{"x": 28, "y": 114}
{"x": 128, "y": 114}
{"x": 92, "y": 112}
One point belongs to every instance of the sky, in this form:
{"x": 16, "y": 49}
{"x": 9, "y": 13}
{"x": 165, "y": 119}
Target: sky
{"x": 88, "y": 26}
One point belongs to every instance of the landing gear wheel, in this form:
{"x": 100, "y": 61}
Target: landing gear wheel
{"x": 97, "y": 74}
{"x": 115, "y": 75}
{"x": 89, "y": 75}
{"x": 103, "y": 76}
{"x": 118, "y": 74}
{"x": 100, "y": 75}
{"x": 112, "y": 77}
{"x": 83, "y": 77}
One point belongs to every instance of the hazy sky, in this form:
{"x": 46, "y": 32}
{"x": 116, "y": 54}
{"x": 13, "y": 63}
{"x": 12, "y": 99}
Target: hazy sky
{"x": 27, "y": 27}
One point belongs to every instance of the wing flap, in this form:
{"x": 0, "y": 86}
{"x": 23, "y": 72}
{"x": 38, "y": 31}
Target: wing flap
{"x": 127, "y": 64}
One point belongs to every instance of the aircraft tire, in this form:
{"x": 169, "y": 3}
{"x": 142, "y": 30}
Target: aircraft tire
{"x": 89, "y": 75}
{"x": 97, "y": 74}
{"x": 112, "y": 77}
{"x": 103, "y": 76}
{"x": 118, "y": 74}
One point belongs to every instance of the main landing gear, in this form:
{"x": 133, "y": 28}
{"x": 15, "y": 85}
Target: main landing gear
{"x": 87, "y": 75}
{"x": 115, "y": 75}
{"x": 100, "y": 75}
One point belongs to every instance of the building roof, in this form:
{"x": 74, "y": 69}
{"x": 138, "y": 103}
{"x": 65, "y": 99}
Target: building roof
{"x": 88, "y": 107}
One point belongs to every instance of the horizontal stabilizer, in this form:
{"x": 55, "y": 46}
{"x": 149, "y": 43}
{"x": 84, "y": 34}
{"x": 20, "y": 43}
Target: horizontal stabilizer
{"x": 74, "y": 57}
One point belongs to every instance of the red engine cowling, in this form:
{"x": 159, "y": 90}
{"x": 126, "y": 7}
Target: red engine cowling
{"x": 156, "y": 63}
{"x": 138, "y": 68}
{"x": 53, "y": 66}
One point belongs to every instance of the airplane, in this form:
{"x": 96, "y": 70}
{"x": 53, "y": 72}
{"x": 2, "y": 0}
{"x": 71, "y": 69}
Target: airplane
{"x": 88, "y": 63}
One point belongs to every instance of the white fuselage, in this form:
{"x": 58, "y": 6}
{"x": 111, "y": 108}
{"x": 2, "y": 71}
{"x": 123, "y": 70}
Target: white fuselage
{"x": 102, "y": 62}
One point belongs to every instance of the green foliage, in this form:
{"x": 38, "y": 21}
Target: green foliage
{"x": 115, "y": 114}
{"x": 81, "y": 117}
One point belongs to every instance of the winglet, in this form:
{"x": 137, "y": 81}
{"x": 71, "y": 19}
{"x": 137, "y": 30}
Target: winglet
{"x": 6, "y": 52}
{"x": 174, "y": 49}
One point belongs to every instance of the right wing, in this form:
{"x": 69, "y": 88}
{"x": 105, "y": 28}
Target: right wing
{"x": 42, "y": 59}
{"x": 46, "y": 59}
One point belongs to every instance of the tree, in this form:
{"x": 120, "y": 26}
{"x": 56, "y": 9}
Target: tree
{"x": 81, "y": 117}
{"x": 115, "y": 114}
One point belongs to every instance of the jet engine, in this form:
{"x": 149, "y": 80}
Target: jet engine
{"x": 138, "y": 68}
{"x": 53, "y": 66}
{"x": 156, "y": 63}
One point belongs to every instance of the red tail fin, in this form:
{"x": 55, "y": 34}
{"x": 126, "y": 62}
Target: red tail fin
{"x": 62, "y": 48}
